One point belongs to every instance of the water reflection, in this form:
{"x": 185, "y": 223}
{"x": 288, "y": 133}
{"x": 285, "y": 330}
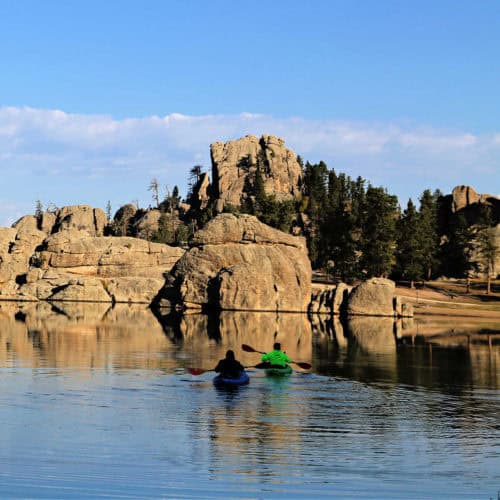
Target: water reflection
{"x": 431, "y": 352}
{"x": 385, "y": 408}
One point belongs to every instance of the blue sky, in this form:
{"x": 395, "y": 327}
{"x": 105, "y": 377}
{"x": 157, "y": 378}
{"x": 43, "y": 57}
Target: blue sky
{"x": 97, "y": 98}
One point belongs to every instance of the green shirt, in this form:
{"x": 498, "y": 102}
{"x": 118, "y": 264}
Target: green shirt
{"x": 276, "y": 358}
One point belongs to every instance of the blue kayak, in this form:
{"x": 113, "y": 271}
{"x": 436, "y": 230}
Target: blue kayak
{"x": 286, "y": 370}
{"x": 221, "y": 381}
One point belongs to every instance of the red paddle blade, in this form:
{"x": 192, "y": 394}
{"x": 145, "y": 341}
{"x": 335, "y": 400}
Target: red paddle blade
{"x": 196, "y": 371}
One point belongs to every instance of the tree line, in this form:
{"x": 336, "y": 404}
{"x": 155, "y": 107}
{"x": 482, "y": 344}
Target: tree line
{"x": 356, "y": 230}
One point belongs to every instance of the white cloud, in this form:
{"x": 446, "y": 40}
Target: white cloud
{"x": 69, "y": 158}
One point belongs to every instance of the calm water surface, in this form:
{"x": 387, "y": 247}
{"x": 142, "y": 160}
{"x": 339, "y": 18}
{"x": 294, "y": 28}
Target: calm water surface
{"x": 100, "y": 403}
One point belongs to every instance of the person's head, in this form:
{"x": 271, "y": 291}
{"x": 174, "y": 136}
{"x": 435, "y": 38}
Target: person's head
{"x": 230, "y": 355}
{"x": 277, "y": 346}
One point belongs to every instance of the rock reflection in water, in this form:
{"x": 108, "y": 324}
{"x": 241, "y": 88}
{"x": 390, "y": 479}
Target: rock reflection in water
{"x": 207, "y": 337}
{"x": 132, "y": 336}
{"x": 373, "y": 335}
{"x": 81, "y": 335}
{"x": 415, "y": 352}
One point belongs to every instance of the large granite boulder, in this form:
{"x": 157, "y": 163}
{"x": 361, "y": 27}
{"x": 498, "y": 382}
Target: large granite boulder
{"x": 237, "y": 262}
{"x": 78, "y": 253}
{"x": 235, "y": 163}
{"x": 374, "y": 297}
{"x": 81, "y": 218}
{"x": 124, "y": 219}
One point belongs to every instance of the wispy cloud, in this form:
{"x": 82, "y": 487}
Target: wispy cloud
{"x": 92, "y": 158}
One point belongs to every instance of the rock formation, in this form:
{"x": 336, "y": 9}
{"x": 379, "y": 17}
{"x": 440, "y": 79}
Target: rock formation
{"x": 374, "y": 297}
{"x": 465, "y": 197}
{"x": 235, "y": 163}
{"x": 70, "y": 260}
{"x": 236, "y": 262}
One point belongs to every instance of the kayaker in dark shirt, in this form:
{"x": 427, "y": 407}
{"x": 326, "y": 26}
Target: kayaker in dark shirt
{"x": 275, "y": 359}
{"x": 229, "y": 367}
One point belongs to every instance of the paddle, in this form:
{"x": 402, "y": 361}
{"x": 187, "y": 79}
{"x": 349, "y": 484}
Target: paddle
{"x": 201, "y": 371}
{"x": 247, "y": 348}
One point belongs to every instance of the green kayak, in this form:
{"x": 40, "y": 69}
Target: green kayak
{"x": 286, "y": 370}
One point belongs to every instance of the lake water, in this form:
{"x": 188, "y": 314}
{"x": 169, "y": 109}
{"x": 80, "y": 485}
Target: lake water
{"x": 99, "y": 403}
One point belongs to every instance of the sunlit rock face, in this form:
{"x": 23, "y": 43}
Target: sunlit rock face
{"x": 76, "y": 266}
{"x": 466, "y": 197}
{"x": 236, "y": 262}
{"x": 62, "y": 256}
{"x": 374, "y": 297}
{"x": 108, "y": 256}
{"x": 234, "y": 165}
{"x": 17, "y": 244}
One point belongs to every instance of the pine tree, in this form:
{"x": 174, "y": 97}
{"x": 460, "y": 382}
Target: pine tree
{"x": 488, "y": 251}
{"x": 457, "y": 249}
{"x": 315, "y": 178}
{"x": 428, "y": 232}
{"x": 409, "y": 252}
{"x": 379, "y": 232}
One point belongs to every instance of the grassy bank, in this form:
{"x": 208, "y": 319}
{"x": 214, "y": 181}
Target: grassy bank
{"x": 451, "y": 297}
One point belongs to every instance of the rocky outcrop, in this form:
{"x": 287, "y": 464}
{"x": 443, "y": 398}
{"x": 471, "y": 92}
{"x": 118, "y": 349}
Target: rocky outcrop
{"x": 80, "y": 218}
{"x": 330, "y": 300}
{"x": 234, "y": 165}
{"x": 17, "y": 244}
{"x": 75, "y": 266}
{"x": 147, "y": 225}
{"x": 77, "y": 253}
{"x": 70, "y": 260}
{"x": 374, "y": 297}
{"x": 465, "y": 197}
{"x": 124, "y": 219}
{"x": 236, "y": 262}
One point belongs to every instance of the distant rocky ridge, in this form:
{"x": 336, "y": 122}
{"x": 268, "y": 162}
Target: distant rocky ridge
{"x": 465, "y": 200}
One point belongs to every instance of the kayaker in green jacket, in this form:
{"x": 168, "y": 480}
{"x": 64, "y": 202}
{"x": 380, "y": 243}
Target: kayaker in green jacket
{"x": 276, "y": 358}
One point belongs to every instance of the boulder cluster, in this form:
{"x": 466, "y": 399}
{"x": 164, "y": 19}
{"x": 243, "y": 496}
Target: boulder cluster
{"x": 65, "y": 256}
{"x": 373, "y": 297}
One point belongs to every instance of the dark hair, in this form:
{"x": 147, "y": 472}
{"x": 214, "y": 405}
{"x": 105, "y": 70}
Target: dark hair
{"x": 229, "y": 354}
{"x": 277, "y": 346}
